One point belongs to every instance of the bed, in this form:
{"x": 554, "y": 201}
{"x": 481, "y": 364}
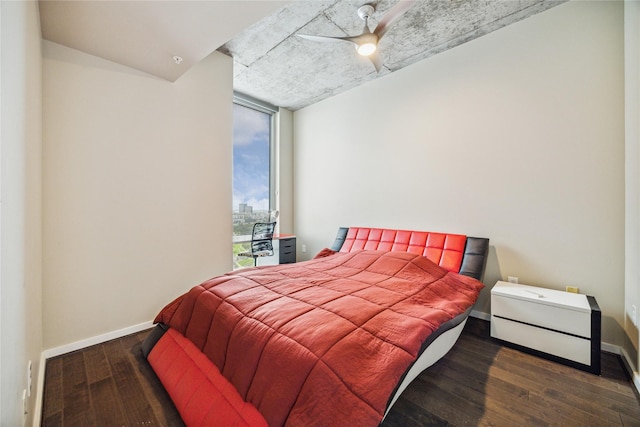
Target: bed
{"x": 330, "y": 341}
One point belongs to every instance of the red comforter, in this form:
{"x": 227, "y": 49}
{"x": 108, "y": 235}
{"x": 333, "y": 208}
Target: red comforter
{"x": 322, "y": 342}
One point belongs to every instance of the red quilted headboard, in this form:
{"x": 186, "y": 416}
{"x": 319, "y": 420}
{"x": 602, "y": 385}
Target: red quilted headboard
{"x": 446, "y": 250}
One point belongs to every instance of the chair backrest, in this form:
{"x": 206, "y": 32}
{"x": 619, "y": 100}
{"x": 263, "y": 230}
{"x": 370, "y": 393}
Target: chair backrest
{"x": 262, "y": 237}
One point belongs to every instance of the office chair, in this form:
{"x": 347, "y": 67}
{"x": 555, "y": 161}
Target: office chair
{"x": 261, "y": 241}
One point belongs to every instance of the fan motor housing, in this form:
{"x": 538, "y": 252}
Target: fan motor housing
{"x": 365, "y": 11}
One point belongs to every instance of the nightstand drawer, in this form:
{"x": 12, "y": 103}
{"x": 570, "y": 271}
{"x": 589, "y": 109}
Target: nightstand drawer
{"x": 544, "y": 340}
{"x": 287, "y": 250}
{"x": 547, "y": 316}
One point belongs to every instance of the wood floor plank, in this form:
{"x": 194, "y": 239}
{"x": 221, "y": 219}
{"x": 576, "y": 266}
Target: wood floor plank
{"x": 550, "y": 406}
{"x": 587, "y": 387}
{"x": 504, "y": 396}
{"x": 77, "y": 407}
{"x": 96, "y": 364}
{"x": 628, "y": 421}
{"x": 563, "y": 413}
{"x": 514, "y": 393}
{"x": 137, "y": 409}
{"x": 474, "y": 355}
{"x": 554, "y": 368}
{"x": 497, "y": 406}
{"x": 596, "y": 405}
{"x": 106, "y": 404}
{"x": 53, "y": 420}
{"x": 53, "y": 397}
{"x": 407, "y": 414}
{"x": 479, "y": 383}
{"x": 442, "y": 404}
{"x": 130, "y": 341}
{"x": 158, "y": 398}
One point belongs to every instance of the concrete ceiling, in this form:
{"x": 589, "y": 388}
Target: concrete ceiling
{"x": 270, "y": 62}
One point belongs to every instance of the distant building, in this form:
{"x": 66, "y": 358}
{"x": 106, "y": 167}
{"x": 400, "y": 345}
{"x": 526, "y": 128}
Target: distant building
{"x": 245, "y": 209}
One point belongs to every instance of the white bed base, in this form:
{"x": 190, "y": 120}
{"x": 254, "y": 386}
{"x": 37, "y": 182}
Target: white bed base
{"x": 436, "y": 350}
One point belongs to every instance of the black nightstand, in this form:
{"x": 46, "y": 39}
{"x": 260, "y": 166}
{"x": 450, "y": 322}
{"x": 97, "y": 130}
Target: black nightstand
{"x": 287, "y": 251}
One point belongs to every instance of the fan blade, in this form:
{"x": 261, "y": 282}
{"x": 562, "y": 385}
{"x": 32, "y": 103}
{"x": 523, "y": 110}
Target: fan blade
{"x": 365, "y": 37}
{"x": 326, "y": 39}
{"x": 392, "y": 16}
{"x": 376, "y": 60}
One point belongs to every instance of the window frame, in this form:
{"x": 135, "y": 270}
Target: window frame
{"x": 264, "y": 107}
{"x": 240, "y": 241}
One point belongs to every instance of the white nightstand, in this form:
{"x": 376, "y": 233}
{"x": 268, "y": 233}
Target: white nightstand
{"x": 557, "y": 325}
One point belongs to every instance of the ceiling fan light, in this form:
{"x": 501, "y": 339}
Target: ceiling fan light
{"x": 366, "y": 49}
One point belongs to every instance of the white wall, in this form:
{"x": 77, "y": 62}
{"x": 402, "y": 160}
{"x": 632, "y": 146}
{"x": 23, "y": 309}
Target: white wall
{"x": 284, "y": 172}
{"x": 20, "y": 211}
{"x": 137, "y": 189}
{"x": 632, "y": 180}
{"x": 517, "y": 136}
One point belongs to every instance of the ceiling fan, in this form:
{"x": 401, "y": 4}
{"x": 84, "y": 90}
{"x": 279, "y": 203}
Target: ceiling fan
{"x": 367, "y": 42}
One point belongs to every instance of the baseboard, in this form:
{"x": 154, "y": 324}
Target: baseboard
{"x": 68, "y": 348}
{"x": 480, "y": 315}
{"x": 610, "y": 348}
{"x": 37, "y": 410}
{"x": 626, "y": 361}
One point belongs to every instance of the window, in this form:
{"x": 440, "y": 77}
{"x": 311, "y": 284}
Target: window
{"x": 253, "y": 197}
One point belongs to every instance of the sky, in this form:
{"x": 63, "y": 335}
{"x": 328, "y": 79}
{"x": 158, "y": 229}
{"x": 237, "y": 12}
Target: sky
{"x": 250, "y": 158}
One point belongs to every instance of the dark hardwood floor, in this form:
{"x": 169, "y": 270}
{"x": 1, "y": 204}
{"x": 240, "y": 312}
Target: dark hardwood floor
{"x": 108, "y": 384}
{"x": 478, "y": 383}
